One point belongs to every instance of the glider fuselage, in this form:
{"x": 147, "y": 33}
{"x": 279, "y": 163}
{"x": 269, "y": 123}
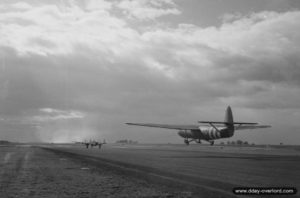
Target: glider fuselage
{"x": 207, "y": 133}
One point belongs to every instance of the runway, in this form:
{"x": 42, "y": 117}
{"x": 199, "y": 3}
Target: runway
{"x": 203, "y": 170}
{"x": 33, "y": 172}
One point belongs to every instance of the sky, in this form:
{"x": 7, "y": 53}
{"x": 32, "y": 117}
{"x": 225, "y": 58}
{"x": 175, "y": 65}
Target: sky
{"x": 75, "y": 70}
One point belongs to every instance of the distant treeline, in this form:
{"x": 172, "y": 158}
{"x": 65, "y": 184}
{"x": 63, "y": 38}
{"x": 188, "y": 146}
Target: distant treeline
{"x": 4, "y": 142}
{"x": 127, "y": 142}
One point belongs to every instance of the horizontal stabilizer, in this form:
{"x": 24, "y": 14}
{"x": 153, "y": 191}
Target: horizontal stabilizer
{"x": 252, "y": 127}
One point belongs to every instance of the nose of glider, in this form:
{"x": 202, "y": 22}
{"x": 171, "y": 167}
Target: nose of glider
{"x": 182, "y": 134}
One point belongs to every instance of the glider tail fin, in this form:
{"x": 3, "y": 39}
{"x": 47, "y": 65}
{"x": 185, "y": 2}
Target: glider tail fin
{"x": 229, "y": 120}
{"x": 228, "y": 116}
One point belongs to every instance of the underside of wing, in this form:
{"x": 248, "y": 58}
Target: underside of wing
{"x": 214, "y": 122}
{"x": 167, "y": 126}
{"x": 251, "y": 127}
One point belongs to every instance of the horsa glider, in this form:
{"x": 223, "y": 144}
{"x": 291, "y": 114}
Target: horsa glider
{"x": 207, "y": 130}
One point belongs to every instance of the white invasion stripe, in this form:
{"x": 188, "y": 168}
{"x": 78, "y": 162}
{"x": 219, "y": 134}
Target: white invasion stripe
{"x": 213, "y": 132}
{"x": 216, "y": 134}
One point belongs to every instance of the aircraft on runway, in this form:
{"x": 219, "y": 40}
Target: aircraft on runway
{"x": 93, "y": 143}
{"x": 207, "y": 130}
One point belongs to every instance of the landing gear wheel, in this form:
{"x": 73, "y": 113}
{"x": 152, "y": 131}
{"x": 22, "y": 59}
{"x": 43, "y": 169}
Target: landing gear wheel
{"x": 212, "y": 143}
{"x": 186, "y": 142}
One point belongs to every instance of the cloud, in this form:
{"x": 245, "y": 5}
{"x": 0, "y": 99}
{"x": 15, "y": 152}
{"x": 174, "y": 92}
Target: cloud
{"x": 97, "y": 5}
{"x": 19, "y": 6}
{"x": 53, "y": 26}
{"x": 172, "y": 51}
{"x": 148, "y": 9}
{"x": 50, "y": 114}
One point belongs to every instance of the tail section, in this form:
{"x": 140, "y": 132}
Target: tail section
{"x": 228, "y": 117}
{"x": 229, "y": 122}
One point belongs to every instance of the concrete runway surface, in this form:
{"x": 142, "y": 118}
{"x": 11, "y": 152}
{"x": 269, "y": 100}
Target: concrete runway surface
{"x": 155, "y": 170}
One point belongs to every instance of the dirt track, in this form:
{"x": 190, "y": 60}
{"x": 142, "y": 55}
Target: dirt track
{"x": 35, "y": 172}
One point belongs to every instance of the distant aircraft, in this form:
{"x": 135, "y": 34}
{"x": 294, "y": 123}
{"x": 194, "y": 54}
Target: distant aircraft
{"x": 207, "y": 130}
{"x": 93, "y": 143}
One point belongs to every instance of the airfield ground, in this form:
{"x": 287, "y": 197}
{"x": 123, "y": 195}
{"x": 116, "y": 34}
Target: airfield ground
{"x": 144, "y": 170}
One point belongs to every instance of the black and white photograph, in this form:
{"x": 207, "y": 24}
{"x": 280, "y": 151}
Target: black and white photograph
{"x": 149, "y": 98}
